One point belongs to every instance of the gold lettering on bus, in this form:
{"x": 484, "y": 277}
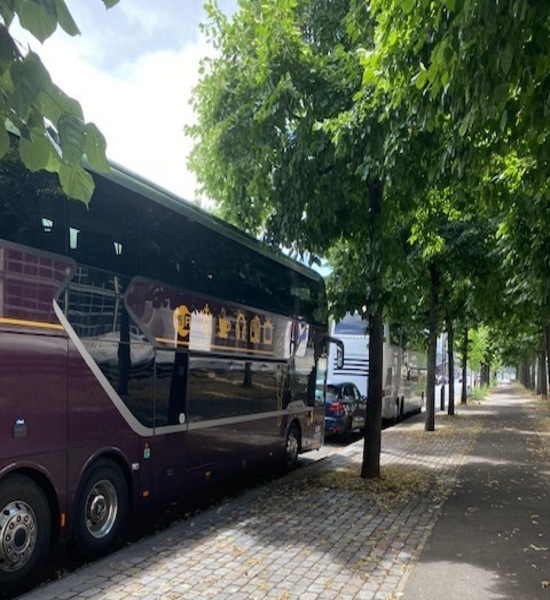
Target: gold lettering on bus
{"x": 182, "y": 320}
{"x": 268, "y": 333}
{"x": 240, "y": 327}
{"x": 224, "y": 325}
{"x": 255, "y": 330}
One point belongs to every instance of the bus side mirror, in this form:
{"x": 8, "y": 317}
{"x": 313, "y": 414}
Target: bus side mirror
{"x": 339, "y": 350}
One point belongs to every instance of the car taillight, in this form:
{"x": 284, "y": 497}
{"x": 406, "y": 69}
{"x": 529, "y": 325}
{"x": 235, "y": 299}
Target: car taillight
{"x": 336, "y": 407}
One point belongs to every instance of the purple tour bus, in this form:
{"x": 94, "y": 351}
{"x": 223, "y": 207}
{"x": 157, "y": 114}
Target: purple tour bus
{"x": 146, "y": 347}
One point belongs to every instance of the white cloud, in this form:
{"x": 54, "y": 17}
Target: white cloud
{"x": 140, "y": 104}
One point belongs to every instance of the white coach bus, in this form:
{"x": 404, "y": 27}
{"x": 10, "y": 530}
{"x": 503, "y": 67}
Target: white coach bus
{"x": 404, "y": 381}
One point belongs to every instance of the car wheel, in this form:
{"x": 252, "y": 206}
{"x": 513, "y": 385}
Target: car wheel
{"x": 101, "y": 509}
{"x": 25, "y": 527}
{"x": 348, "y": 431}
{"x": 396, "y": 412}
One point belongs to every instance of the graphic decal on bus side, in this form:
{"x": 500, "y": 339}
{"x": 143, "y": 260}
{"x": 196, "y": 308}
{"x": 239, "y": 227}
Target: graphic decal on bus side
{"x": 172, "y": 317}
{"x": 29, "y": 282}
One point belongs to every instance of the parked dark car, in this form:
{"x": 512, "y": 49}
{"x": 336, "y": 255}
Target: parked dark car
{"x": 345, "y": 410}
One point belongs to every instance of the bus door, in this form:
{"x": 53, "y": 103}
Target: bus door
{"x": 168, "y": 451}
{"x": 307, "y": 401}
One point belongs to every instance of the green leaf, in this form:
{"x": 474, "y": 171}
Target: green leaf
{"x": 506, "y": 57}
{"x": 35, "y": 120}
{"x": 76, "y": 183}
{"x": 503, "y": 120}
{"x": 35, "y": 153}
{"x": 54, "y": 102}
{"x": 4, "y": 139}
{"x": 54, "y": 161}
{"x": 501, "y": 93}
{"x": 7, "y": 11}
{"x": 8, "y": 49}
{"x": 110, "y": 3}
{"x": 38, "y": 16}
{"x": 65, "y": 18}
{"x": 408, "y": 5}
{"x": 95, "y": 149}
{"x": 72, "y": 138}
{"x": 421, "y": 79}
{"x": 29, "y": 78}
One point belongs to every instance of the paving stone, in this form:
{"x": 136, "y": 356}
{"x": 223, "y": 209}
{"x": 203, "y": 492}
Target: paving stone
{"x": 288, "y": 540}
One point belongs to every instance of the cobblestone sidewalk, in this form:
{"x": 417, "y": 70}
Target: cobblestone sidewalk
{"x": 319, "y": 533}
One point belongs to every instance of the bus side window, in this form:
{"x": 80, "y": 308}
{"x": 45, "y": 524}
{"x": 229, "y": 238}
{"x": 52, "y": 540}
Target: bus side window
{"x": 224, "y": 388}
{"x": 105, "y": 234}
{"x": 170, "y": 387}
{"x": 95, "y": 248}
{"x": 9, "y": 227}
{"x": 32, "y": 208}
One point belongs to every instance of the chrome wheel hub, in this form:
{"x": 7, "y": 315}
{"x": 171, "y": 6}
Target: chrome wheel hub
{"x": 101, "y": 509}
{"x": 18, "y": 530}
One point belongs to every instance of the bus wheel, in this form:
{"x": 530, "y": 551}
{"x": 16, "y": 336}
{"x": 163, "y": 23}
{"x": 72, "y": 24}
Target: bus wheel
{"x": 25, "y": 526}
{"x": 101, "y": 509}
{"x": 292, "y": 447}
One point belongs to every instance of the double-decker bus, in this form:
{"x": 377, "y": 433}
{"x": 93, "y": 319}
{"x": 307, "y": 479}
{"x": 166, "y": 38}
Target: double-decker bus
{"x": 146, "y": 347}
{"x": 404, "y": 370}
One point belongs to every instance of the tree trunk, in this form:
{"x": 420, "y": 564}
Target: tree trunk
{"x": 532, "y": 372}
{"x": 432, "y": 341}
{"x": 547, "y": 338}
{"x": 526, "y": 378}
{"x": 370, "y": 469}
{"x": 247, "y": 379}
{"x": 464, "y": 398}
{"x": 371, "y": 450}
{"x": 521, "y": 373}
{"x": 486, "y": 374}
{"x": 451, "y": 363}
{"x": 543, "y": 379}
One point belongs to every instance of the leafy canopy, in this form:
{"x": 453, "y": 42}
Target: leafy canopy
{"x": 50, "y": 124}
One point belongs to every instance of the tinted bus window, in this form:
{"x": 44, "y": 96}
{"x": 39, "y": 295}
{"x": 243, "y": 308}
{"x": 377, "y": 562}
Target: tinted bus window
{"x": 190, "y": 255}
{"x": 221, "y": 388}
{"x": 105, "y": 234}
{"x": 166, "y": 251}
{"x": 32, "y": 208}
{"x": 170, "y": 387}
{"x": 95, "y": 308}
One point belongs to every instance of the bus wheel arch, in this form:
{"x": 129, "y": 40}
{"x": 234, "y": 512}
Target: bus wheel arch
{"x": 47, "y": 487}
{"x": 101, "y": 507}
{"x": 293, "y": 445}
{"x": 25, "y": 530}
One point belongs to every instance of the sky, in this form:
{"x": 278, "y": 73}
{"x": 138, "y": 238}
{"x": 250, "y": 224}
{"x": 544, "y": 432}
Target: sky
{"x": 132, "y": 69}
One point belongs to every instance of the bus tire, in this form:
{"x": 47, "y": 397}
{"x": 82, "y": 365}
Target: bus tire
{"x": 292, "y": 447}
{"x": 101, "y": 509}
{"x": 25, "y": 529}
